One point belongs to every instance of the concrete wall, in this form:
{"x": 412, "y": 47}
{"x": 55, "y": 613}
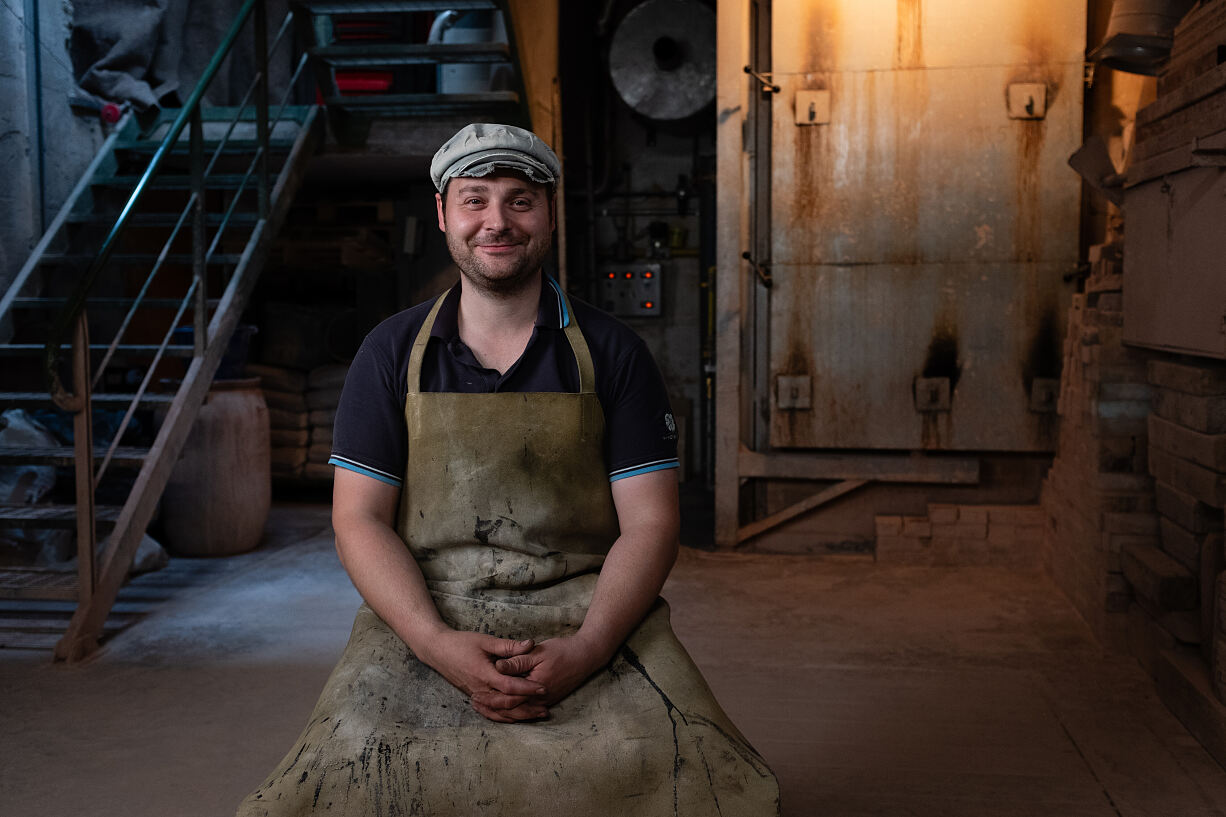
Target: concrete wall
{"x": 68, "y": 140}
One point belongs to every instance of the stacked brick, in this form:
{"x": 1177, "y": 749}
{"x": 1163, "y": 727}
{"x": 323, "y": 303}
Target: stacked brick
{"x": 956, "y": 535}
{"x": 1187, "y": 456}
{"x": 301, "y": 410}
{"x": 1098, "y": 498}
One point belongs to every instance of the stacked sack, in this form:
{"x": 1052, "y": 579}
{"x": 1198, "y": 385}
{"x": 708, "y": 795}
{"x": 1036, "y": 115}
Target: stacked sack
{"x": 288, "y": 417}
{"x": 323, "y": 394}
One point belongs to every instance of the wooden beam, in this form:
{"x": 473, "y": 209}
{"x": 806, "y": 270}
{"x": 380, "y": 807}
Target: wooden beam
{"x": 876, "y": 467}
{"x": 83, "y": 631}
{"x": 804, "y": 506}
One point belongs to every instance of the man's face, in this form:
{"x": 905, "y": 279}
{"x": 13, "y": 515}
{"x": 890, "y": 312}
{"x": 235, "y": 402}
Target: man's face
{"x": 498, "y": 229}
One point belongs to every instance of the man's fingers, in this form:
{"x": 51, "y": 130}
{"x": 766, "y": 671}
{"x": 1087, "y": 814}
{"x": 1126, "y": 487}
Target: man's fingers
{"x": 505, "y": 647}
{"x": 494, "y": 699}
{"x": 512, "y": 685}
{"x": 525, "y": 712}
{"x": 516, "y": 665}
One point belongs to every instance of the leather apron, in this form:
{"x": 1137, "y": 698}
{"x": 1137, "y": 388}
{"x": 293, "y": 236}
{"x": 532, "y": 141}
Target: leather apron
{"x": 506, "y": 507}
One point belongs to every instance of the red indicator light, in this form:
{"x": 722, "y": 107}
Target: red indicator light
{"x": 612, "y": 275}
{"x": 649, "y": 304}
{"x": 648, "y": 274}
{"x": 629, "y": 274}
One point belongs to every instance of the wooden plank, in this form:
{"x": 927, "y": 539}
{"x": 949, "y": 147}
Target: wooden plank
{"x": 1193, "y": 479}
{"x": 732, "y": 210}
{"x": 1154, "y": 575}
{"x": 64, "y": 455}
{"x": 28, "y": 641}
{"x": 1207, "y": 84}
{"x": 877, "y": 467}
{"x": 1186, "y": 510}
{"x": 51, "y": 516}
{"x": 1206, "y": 380}
{"x": 1208, "y": 450}
{"x": 1203, "y": 413}
{"x": 804, "y": 506}
{"x": 82, "y": 635}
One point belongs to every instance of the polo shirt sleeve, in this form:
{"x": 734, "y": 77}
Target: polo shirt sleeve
{"x": 640, "y": 431}
{"x": 369, "y": 435}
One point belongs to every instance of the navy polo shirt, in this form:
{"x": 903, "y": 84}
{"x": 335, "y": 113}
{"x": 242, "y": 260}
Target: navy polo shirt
{"x": 370, "y": 436}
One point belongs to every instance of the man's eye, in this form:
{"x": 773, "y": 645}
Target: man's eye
{"x": 472, "y": 201}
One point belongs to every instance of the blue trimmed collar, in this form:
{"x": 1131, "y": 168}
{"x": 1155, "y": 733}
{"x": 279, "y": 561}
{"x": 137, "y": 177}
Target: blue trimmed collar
{"x": 551, "y": 314}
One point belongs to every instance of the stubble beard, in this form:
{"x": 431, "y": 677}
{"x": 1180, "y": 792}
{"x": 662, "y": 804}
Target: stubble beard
{"x": 500, "y": 284}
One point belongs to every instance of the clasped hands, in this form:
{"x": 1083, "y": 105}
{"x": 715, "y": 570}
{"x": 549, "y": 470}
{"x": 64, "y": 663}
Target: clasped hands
{"x": 511, "y": 681}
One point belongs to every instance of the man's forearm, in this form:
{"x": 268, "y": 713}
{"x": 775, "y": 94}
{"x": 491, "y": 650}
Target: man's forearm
{"x": 389, "y": 579}
{"x": 630, "y": 580}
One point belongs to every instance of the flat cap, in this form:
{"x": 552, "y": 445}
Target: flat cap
{"x": 480, "y": 149}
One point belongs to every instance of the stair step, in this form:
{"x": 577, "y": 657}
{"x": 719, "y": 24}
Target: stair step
{"x": 52, "y": 516}
{"x": 394, "y": 6}
{"x": 214, "y": 181}
{"x": 35, "y": 583}
{"x": 233, "y": 147}
{"x": 18, "y": 349}
{"x": 103, "y": 303}
{"x": 352, "y": 56}
{"x": 40, "y": 399}
{"x": 136, "y": 258}
{"x": 423, "y": 104}
{"x": 125, "y": 456}
{"x": 160, "y": 219}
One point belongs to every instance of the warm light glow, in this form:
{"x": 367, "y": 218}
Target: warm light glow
{"x": 649, "y": 304}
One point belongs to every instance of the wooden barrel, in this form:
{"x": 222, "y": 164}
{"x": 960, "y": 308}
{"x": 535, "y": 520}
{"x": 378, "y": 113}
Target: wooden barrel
{"x": 217, "y": 499}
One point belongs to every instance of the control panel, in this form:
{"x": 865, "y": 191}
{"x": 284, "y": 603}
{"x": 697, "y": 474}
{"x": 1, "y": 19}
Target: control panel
{"x": 630, "y": 290}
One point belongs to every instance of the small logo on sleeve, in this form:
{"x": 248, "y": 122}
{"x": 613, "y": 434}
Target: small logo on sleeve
{"x": 671, "y": 425}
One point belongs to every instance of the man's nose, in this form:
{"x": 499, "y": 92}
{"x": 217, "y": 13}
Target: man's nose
{"x": 496, "y": 219}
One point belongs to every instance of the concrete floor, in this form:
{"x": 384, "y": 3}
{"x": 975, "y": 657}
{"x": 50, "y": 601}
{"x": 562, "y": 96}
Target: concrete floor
{"x": 900, "y": 691}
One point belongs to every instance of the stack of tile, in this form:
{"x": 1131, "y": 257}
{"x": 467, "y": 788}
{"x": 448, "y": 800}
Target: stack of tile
{"x": 288, "y": 416}
{"x": 1187, "y": 457}
{"x": 323, "y": 394}
{"x": 1195, "y": 46}
{"x": 955, "y": 535}
{"x": 1098, "y": 498}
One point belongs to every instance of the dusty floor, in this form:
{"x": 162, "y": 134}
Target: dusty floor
{"x": 899, "y": 691}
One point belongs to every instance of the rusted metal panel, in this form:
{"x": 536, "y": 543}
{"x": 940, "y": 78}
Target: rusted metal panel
{"x": 1176, "y": 294}
{"x": 923, "y": 227}
{"x": 866, "y": 334}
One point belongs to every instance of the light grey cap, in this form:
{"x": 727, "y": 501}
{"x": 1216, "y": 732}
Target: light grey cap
{"x": 481, "y": 148}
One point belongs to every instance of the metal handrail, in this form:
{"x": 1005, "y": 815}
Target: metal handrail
{"x": 193, "y": 201}
{"x": 196, "y": 287}
{"x": 76, "y": 302}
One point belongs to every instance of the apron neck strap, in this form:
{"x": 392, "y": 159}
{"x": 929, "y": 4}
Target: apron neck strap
{"x": 578, "y": 345}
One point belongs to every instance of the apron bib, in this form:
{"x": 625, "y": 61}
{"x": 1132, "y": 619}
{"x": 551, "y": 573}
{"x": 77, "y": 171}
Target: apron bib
{"x": 506, "y": 507}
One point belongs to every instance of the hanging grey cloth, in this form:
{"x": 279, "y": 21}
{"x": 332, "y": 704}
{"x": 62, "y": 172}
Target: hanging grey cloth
{"x": 151, "y": 53}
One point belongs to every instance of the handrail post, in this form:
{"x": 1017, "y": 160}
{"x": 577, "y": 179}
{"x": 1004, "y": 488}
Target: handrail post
{"x": 201, "y": 323}
{"x": 83, "y": 451}
{"x": 261, "y": 100}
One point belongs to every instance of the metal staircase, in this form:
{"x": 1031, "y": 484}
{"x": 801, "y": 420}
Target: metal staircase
{"x": 130, "y": 299}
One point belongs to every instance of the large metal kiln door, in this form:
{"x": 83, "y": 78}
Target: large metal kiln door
{"x": 923, "y": 221}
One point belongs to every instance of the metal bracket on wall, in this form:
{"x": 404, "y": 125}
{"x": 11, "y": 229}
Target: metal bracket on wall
{"x": 768, "y": 87}
{"x": 762, "y": 270}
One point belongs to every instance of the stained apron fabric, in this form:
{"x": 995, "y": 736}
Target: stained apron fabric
{"x": 507, "y": 509}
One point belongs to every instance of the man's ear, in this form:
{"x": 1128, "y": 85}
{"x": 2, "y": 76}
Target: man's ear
{"x": 438, "y": 203}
